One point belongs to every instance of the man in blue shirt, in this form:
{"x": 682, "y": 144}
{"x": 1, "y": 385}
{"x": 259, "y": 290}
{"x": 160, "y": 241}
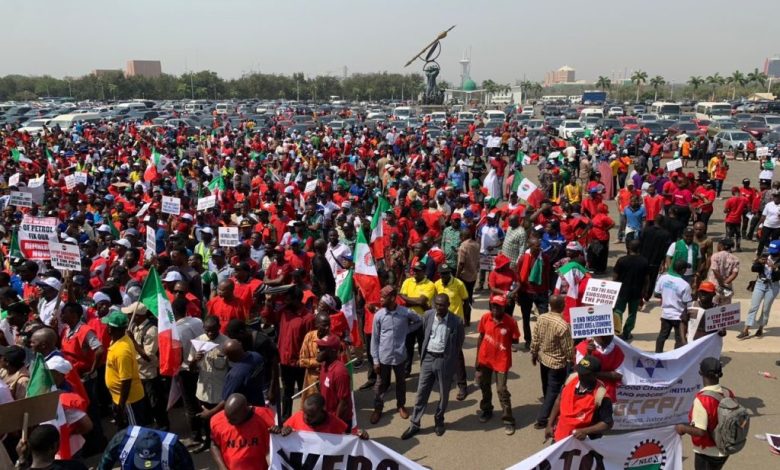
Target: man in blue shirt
{"x": 245, "y": 377}
{"x": 635, "y": 218}
{"x": 388, "y": 349}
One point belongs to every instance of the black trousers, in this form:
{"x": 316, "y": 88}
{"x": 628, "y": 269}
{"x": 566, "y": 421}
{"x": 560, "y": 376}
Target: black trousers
{"x": 156, "y": 391}
{"x": 189, "y": 383}
{"x": 707, "y": 462}
{"x": 292, "y": 376}
{"x": 370, "y": 359}
{"x": 383, "y": 383}
{"x": 552, "y": 383}
{"x": 666, "y": 328}
{"x": 468, "y": 303}
{"x": 527, "y": 300}
{"x": 417, "y": 337}
{"x": 652, "y": 276}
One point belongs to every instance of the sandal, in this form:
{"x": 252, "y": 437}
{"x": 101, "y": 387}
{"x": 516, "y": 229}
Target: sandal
{"x": 743, "y": 335}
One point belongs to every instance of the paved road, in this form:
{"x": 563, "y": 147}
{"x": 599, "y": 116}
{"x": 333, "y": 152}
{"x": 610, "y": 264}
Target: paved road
{"x": 471, "y": 444}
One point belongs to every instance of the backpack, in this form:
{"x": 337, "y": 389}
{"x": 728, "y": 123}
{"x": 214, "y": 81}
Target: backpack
{"x": 731, "y": 432}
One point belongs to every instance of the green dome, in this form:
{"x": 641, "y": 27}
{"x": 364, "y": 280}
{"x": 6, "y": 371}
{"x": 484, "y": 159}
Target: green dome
{"x": 469, "y": 85}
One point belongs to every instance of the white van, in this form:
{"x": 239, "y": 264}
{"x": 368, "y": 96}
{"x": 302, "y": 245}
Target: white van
{"x": 402, "y": 113}
{"x": 225, "y": 108}
{"x": 66, "y": 121}
{"x": 466, "y": 116}
{"x": 193, "y": 106}
{"x": 588, "y": 112}
{"x": 131, "y": 105}
{"x": 665, "y": 110}
{"x": 494, "y": 116}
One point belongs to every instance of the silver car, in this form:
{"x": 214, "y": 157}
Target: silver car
{"x": 733, "y": 140}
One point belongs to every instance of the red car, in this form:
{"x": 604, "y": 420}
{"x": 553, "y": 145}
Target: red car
{"x": 628, "y": 122}
{"x": 703, "y": 124}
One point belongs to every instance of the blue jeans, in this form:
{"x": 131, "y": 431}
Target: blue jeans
{"x": 766, "y": 291}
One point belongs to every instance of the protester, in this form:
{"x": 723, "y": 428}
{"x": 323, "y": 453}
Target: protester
{"x": 314, "y": 418}
{"x": 675, "y": 294}
{"x": 335, "y": 382}
{"x": 723, "y": 270}
{"x": 39, "y": 452}
{"x": 631, "y": 271}
{"x": 765, "y": 289}
{"x": 139, "y": 448}
{"x": 240, "y": 435}
{"x": 123, "y": 378}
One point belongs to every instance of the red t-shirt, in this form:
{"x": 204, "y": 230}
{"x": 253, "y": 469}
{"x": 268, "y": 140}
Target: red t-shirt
{"x": 244, "y": 446}
{"x": 226, "y": 310}
{"x": 600, "y": 228}
{"x": 331, "y": 425}
{"x": 502, "y": 279}
{"x": 735, "y": 207}
{"x": 335, "y": 386}
{"x": 495, "y": 351}
{"x": 653, "y": 206}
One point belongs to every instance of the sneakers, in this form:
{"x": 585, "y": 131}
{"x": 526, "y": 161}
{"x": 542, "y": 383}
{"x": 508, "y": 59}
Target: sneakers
{"x": 410, "y": 432}
{"x": 485, "y": 415}
{"x": 367, "y": 385}
{"x": 462, "y": 394}
{"x": 509, "y": 429}
{"x": 743, "y": 335}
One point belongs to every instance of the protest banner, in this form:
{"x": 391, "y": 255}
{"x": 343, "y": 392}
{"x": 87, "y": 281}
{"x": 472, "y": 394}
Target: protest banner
{"x": 35, "y": 186}
{"x": 34, "y": 236}
{"x": 65, "y": 256}
{"x": 658, "y": 389}
{"x": 600, "y": 292}
{"x": 595, "y": 320}
{"x": 720, "y": 317}
{"x": 762, "y": 151}
{"x": 39, "y": 409}
{"x": 20, "y": 199}
{"x": 673, "y": 164}
{"x": 81, "y": 177}
{"x": 228, "y": 236}
{"x": 171, "y": 205}
{"x": 14, "y": 180}
{"x": 206, "y": 202}
{"x": 143, "y": 210}
{"x": 321, "y": 450}
{"x": 657, "y": 449}
{"x": 151, "y": 242}
{"x": 311, "y": 186}
{"x": 70, "y": 182}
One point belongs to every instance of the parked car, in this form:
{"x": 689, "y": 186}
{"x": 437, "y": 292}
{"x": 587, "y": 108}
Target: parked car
{"x": 570, "y": 128}
{"x": 756, "y": 128}
{"x": 615, "y": 111}
{"x": 733, "y": 140}
{"x": 629, "y": 122}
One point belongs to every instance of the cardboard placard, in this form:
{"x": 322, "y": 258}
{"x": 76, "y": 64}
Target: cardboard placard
{"x": 143, "y": 210}
{"x": 81, "y": 177}
{"x": 311, "y": 186}
{"x": 35, "y": 186}
{"x": 151, "y": 242}
{"x": 600, "y": 292}
{"x": 34, "y": 236}
{"x": 228, "y": 236}
{"x": 14, "y": 179}
{"x": 720, "y": 317}
{"x": 594, "y": 320}
{"x": 206, "y": 202}
{"x": 21, "y": 199}
{"x": 673, "y": 164}
{"x": 70, "y": 182}
{"x": 762, "y": 151}
{"x": 65, "y": 256}
{"x": 40, "y": 408}
{"x": 171, "y": 205}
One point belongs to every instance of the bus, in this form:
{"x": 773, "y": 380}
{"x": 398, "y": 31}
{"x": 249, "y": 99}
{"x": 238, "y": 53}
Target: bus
{"x": 715, "y": 111}
{"x": 665, "y": 109}
{"x": 554, "y": 99}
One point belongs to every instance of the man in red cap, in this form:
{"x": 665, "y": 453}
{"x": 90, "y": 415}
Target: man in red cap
{"x": 497, "y": 333}
{"x": 335, "y": 384}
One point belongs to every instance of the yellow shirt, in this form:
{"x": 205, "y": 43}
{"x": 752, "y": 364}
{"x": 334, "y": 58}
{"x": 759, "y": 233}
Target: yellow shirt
{"x": 457, "y": 293}
{"x": 413, "y": 289}
{"x": 121, "y": 364}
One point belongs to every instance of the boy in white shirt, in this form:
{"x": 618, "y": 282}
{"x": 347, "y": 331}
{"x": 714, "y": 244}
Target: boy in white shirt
{"x": 675, "y": 293}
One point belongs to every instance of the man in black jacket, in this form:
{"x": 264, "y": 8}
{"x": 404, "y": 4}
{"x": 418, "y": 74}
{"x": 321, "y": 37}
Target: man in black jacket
{"x": 655, "y": 241}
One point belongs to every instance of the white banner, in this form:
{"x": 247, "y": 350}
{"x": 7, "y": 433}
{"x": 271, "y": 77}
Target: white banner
{"x": 600, "y": 292}
{"x": 228, "y": 236}
{"x": 206, "y": 202}
{"x": 21, "y": 199}
{"x": 594, "y": 320}
{"x": 171, "y": 205}
{"x": 151, "y": 242}
{"x": 658, "y": 389}
{"x": 319, "y": 451}
{"x": 656, "y": 449}
{"x": 34, "y": 236}
{"x": 65, "y": 256}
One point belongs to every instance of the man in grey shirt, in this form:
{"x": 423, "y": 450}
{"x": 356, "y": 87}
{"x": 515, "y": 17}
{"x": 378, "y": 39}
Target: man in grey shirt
{"x": 388, "y": 348}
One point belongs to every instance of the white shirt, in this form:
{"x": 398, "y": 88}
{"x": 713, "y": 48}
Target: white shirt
{"x": 333, "y": 253}
{"x": 771, "y": 215}
{"x": 675, "y": 296}
{"x": 670, "y": 253}
{"x": 490, "y": 239}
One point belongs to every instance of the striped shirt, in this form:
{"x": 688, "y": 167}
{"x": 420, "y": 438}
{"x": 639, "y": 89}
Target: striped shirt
{"x": 514, "y": 244}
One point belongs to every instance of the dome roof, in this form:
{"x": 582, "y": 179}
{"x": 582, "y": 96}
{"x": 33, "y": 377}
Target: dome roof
{"x": 469, "y": 85}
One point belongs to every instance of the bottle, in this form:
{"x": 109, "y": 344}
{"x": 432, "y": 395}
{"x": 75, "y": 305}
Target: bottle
{"x": 767, "y": 375}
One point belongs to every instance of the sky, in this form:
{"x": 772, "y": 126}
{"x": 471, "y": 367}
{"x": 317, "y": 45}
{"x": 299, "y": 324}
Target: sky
{"x": 508, "y": 40}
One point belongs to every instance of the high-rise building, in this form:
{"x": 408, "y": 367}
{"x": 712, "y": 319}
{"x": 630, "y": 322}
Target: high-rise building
{"x": 564, "y": 74}
{"x": 143, "y": 68}
{"x": 772, "y": 67}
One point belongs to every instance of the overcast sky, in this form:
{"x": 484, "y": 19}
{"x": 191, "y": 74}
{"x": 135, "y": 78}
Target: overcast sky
{"x": 509, "y": 39}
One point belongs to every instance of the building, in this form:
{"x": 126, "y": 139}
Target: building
{"x": 514, "y": 95}
{"x": 564, "y": 74}
{"x": 143, "y": 68}
{"x": 772, "y": 67}
{"x": 105, "y": 72}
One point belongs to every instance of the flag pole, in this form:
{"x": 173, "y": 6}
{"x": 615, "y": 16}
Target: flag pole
{"x": 316, "y": 383}
{"x": 135, "y": 309}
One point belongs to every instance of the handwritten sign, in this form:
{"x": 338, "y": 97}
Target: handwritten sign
{"x": 600, "y": 292}
{"x": 720, "y": 317}
{"x": 81, "y": 178}
{"x": 228, "y": 236}
{"x": 34, "y": 236}
{"x": 70, "y": 182}
{"x": 20, "y": 199}
{"x": 171, "y": 205}
{"x": 673, "y": 164}
{"x": 206, "y": 202}
{"x": 151, "y": 242}
{"x": 593, "y": 320}
{"x": 65, "y": 256}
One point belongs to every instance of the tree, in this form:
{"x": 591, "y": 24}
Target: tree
{"x": 603, "y": 83}
{"x": 736, "y": 79}
{"x": 695, "y": 83}
{"x": 757, "y": 77}
{"x": 639, "y": 78}
{"x": 715, "y": 81}
{"x": 657, "y": 82}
